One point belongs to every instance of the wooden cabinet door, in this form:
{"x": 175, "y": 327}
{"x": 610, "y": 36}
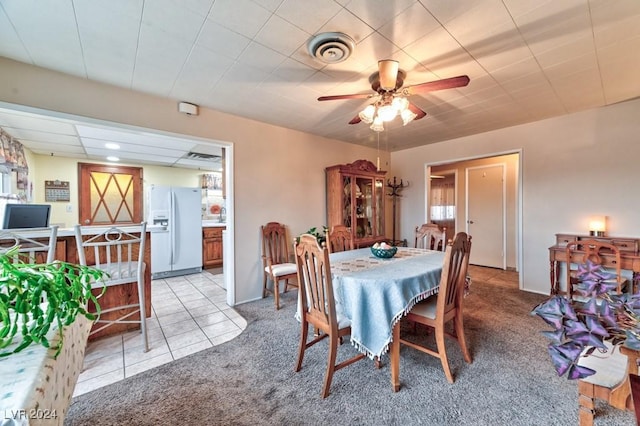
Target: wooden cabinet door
{"x": 109, "y": 195}
{"x": 211, "y": 247}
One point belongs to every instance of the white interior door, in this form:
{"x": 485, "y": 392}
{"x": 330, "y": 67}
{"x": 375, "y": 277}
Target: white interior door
{"x": 485, "y": 194}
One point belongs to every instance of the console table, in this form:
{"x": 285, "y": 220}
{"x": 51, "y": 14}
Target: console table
{"x": 629, "y": 254}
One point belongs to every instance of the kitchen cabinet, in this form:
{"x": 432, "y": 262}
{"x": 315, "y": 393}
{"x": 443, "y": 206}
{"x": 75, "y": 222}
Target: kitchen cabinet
{"x": 212, "y": 246}
{"x": 355, "y": 199}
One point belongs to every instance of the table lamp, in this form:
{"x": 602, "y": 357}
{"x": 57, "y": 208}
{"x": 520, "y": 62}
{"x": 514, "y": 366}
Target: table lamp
{"x": 597, "y": 226}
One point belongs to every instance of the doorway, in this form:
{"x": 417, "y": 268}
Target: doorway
{"x": 31, "y": 118}
{"x": 512, "y": 201}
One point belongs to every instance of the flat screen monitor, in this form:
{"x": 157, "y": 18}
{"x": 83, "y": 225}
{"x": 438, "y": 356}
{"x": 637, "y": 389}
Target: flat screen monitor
{"x": 26, "y": 216}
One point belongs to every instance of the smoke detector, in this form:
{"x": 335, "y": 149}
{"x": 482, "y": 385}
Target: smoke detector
{"x": 331, "y": 48}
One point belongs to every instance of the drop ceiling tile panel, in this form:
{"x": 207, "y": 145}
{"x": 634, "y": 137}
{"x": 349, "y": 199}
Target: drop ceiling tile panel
{"x": 40, "y": 136}
{"x": 133, "y": 137}
{"x": 487, "y": 26}
{"x": 131, "y": 156}
{"x": 242, "y": 16}
{"x": 200, "y": 7}
{"x": 242, "y": 77}
{"x": 159, "y": 61}
{"x": 222, "y": 40}
{"x": 572, "y": 66}
{"x": 437, "y": 50}
{"x": 46, "y": 148}
{"x": 282, "y": 36}
{"x": 610, "y": 33}
{"x": 348, "y": 23}
{"x": 293, "y": 71}
{"x": 261, "y": 57}
{"x": 28, "y": 121}
{"x": 620, "y": 71}
{"x": 185, "y": 23}
{"x": 372, "y": 49}
{"x": 377, "y": 13}
{"x": 97, "y": 146}
{"x": 110, "y": 39}
{"x": 48, "y": 31}
{"x": 445, "y": 11}
{"x": 411, "y": 24}
{"x": 297, "y": 13}
{"x": 10, "y": 44}
{"x": 202, "y": 71}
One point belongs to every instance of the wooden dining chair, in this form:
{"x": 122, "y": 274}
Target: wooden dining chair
{"x": 430, "y": 236}
{"x": 616, "y": 372}
{"x": 339, "y": 238}
{"x": 446, "y": 306}
{"x": 578, "y": 252}
{"x": 276, "y": 264}
{"x": 316, "y": 294}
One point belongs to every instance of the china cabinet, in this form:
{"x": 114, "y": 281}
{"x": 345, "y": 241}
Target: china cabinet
{"x": 355, "y": 199}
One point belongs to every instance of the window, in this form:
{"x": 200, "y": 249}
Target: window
{"x": 443, "y": 203}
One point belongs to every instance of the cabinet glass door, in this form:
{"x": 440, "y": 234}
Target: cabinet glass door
{"x": 346, "y": 201}
{"x": 364, "y": 207}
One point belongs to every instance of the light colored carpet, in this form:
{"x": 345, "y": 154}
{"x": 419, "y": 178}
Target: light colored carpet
{"x": 250, "y": 380}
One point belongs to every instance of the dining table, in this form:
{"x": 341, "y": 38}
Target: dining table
{"x": 375, "y": 293}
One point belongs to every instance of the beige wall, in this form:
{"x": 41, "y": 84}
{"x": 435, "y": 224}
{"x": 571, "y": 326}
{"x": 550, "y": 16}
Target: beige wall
{"x": 46, "y": 167}
{"x": 572, "y": 167}
{"x": 511, "y": 169}
{"x": 278, "y": 172}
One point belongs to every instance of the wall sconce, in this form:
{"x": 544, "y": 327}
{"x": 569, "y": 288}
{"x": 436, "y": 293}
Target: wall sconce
{"x": 597, "y": 225}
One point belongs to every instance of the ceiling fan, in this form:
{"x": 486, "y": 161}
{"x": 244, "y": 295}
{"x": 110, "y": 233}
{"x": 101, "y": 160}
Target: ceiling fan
{"x": 391, "y": 98}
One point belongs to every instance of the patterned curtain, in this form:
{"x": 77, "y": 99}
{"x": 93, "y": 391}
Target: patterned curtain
{"x": 12, "y": 154}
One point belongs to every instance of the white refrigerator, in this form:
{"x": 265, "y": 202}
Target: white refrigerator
{"x": 175, "y": 223}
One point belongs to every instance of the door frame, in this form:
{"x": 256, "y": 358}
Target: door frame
{"x": 504, "y": 205}
{"x": 228, "y": 251}
{"x": 519, "y": 200}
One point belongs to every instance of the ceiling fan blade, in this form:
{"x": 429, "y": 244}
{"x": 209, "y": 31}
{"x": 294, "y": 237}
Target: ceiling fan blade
{"x": 417, "y": 111}
{"x": 355, "y": 96}
{"x": 388, "y": 72}
{"x": 446, "y": 83}
{"x": 355, "y": 120}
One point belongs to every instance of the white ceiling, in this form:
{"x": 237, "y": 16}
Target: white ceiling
{"x": 527, "y": 59}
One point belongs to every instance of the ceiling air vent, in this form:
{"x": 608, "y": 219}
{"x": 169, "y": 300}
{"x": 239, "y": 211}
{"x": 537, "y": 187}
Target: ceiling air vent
{"x": 331, "y": 48}
{"x": 202, "y": 156}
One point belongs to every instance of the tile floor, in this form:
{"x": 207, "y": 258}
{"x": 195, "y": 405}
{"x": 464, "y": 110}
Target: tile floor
{"x": 189, "y": 314}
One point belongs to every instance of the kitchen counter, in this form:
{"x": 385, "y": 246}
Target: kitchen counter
{"x": 213, "y": 224}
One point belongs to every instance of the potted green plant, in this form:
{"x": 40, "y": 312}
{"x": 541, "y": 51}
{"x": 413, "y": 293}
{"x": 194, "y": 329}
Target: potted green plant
{"x": 34, "y": 297}
{"x": 579, "y": 329}
{"x": 320, "y": 236}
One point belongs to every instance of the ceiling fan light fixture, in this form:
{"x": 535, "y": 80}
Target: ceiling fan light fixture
{"x": 388, "y": 71}
{"x": 407, "y": 116}
{"x": 377, "y": 125}
{"x": 387, "y": 112}
{"x": 367, "y": 114}
{"x": 331, "y": 47}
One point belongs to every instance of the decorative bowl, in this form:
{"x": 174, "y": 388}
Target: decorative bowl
{"x": 384, "y": 253}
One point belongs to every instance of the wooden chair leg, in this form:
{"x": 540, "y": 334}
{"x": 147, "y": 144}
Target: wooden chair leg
{"x": 331, "y": 365}
{"x": 459, "y": 328}
{"x": 586, "y": 404}
{"x": 303, "y": 344}
{"x": 264, "y": 285}
{"x": 276, "y": 292}
{"x": 442, "y": 352}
